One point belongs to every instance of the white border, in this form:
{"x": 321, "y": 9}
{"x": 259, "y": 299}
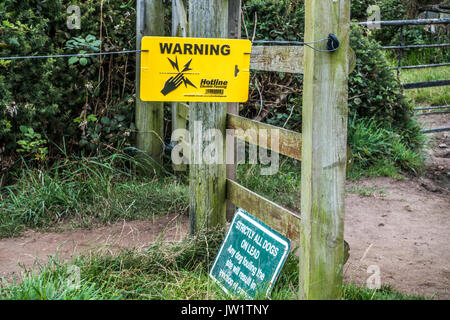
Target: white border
{"x": 240, "y": 213}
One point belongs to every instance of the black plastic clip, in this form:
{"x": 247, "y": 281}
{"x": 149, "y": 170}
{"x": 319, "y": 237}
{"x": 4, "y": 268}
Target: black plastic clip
{"x": 333, "y": 43}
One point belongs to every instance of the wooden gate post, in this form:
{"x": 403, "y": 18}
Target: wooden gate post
{"x": 234, "y": 32}
{"x": 207, "y": 182}
{"x": 149, "y": 115}
{"x": 179, "y": 29}
{"x": 324, "y": 133}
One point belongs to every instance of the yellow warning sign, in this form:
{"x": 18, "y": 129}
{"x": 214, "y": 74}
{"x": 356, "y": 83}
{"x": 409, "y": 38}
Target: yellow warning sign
{"x": 195, "y": 69}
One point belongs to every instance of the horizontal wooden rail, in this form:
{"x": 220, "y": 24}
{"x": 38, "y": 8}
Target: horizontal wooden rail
{"x": 289, "y": 142}
{"x": 277, "y": 58}
{"x": 183, "y": 111}
{"x": 281, "y": 219}
{"x": 272, "y": 214}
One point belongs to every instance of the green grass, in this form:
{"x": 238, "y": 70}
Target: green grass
{"x": 367, "y": 191}
{"x": 282, "y": 187}
{"x": 93, "y": 191}
{"x": 84, "y": 193}
{"x": 436, "y": 96}
{"x": 378, "y": 151}
{"x": 164, "y": 271}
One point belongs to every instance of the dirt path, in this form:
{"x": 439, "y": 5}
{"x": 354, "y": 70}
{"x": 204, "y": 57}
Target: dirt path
{"x": 403, "y": 230}
{"x": 402, "y": 227}
{"x": 397, "y": 225}
{"x": 37, "y": 247}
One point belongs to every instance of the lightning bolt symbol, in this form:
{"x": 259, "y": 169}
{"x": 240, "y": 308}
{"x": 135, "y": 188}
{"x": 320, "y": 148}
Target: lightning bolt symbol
{"x": 186, "y": 66}
{"x": 175, "y": 64}
{"x": 187, "y": 82}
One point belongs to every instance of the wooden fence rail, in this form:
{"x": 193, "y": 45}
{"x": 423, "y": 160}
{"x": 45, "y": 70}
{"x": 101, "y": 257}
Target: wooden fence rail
{"x": 321, "y": 147}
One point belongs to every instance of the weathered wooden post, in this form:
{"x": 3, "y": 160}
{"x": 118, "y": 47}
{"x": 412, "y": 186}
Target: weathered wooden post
{"x": 149, "y": 115}
{"x": 234, "y": 32}
{"x": 179, "y": 29}
{"x": 324, "y": 132}
{"x": 207, "y": 19}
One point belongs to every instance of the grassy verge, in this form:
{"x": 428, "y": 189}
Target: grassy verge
{"x": 379, "y": 151}
{"x": 84, "y": 193}
{"x": 89, "y": 191}
{"x": 376, "y": 151}
{"x": 282, "y": 187}
{"x": 163, "y": 271}
{"x": 437, "y": 96}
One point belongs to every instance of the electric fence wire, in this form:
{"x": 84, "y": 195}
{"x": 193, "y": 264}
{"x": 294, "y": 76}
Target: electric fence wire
{"x": 81, "y": 55}
{"x": 300, "y": 43}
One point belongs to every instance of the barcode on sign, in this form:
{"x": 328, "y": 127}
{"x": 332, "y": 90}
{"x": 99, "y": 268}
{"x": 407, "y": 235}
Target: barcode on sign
{"x": 214, "y": 91}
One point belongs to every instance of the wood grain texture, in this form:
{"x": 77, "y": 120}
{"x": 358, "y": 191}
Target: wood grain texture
{"x": 281, "y": 219}
{"x": 207, "y": 182}
{"x": 149, "y": 115}
{"x": 277, "y": 58}
{"x": 179, "y": 29}
{"x": 289, "y": 143}
{"x": 324, "y": 134}
{"x": 234, "y": 32}
{"x": 272, "y": 214}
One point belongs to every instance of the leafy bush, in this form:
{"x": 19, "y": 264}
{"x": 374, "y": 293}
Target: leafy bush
{"x": 374, "y": 91}
{"x": 359, "y": 9}
{"x": 61, "y": 97}
{"x": 276, "y": 20}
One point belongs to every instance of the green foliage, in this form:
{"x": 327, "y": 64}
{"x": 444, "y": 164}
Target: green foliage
{"x": 359, "y": 9}
{"x": 164, "y": 271}
{"x": 386, "y": 292}
{"x": 372, "y": 143}
{"x": 276, "y": 20}
{"x": 53, "y": 282}
{"x": 83, "y": 45}
{"x": 86, "y": 192}
{"x": 32, "y": 143}
{"x": 374, "y": 91}
{"x": 48, "y": 94}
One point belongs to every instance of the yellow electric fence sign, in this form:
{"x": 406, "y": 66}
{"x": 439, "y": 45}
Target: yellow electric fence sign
{"x": 194, "y": 69}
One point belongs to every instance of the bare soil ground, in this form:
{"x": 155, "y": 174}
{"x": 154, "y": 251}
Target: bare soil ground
{"x": 400, "y": 226}
{"x": 36, "y": 247}
{"x": 403, "y": 226}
